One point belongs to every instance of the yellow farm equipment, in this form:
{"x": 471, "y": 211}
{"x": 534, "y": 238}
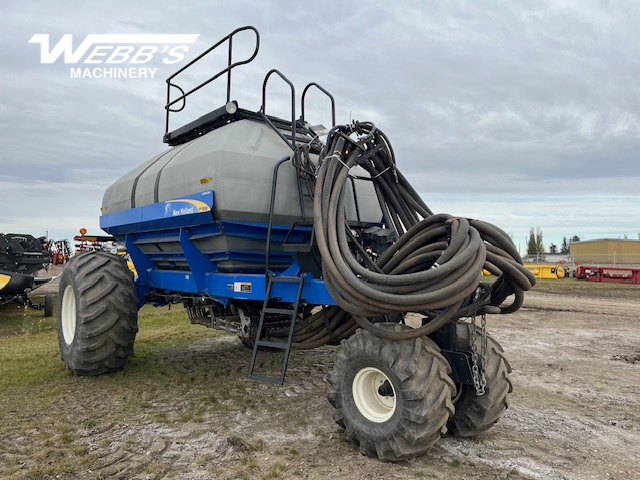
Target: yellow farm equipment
{"x": 546, "y": 271}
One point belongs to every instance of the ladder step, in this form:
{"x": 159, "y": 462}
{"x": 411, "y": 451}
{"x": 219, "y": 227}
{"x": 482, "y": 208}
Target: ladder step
{"x": 262, "y": 378}
{"x": 268, "y": 343}
{"x": 280, "y": 311}
{"x": 296, "y": 247}
{"x": 286, "y": 279}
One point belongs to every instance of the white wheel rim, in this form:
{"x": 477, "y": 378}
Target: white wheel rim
{"x": 371, "y": 404}
{"x": 68, "y": 314}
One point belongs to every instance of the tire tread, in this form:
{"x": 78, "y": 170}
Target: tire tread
{"x": 106, "y": 315}
{"x": 424, "y": 384}
{"x": 475, "y": 414}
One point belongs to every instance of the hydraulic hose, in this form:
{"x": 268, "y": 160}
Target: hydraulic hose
{"x": 329, "y": 325}
{"x": 435, "y": 266}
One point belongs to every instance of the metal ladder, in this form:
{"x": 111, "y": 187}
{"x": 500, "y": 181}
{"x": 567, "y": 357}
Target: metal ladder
{"x": 285, "y": 346}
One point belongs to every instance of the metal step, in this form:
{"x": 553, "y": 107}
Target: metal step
{"x": 287, "y": 279}
{"x": 299, "y": 247}
{"x": 284, "y": 346}
{"x": 296, "y": 247}
{"x": 263, "y": 379}
{"x": 279, "y": 311}
{"x": 270, "y": 344}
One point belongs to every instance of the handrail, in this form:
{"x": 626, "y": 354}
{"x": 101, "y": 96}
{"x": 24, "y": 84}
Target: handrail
{"x": 227, "y": 70}
{"x": 263, "y": 109}
{"x": 272, "y": 206}
{"x": 333, "y": 102}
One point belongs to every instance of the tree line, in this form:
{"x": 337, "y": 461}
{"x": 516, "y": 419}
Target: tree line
{"x": 536, "y": 243}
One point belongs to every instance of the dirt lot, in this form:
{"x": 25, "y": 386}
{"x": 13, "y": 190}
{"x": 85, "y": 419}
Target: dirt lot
{"x": 574, "y": 412}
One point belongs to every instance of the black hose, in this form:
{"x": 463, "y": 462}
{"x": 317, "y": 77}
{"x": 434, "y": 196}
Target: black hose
{"x": 435, "y": 266}
{"x": 329, "y": 325}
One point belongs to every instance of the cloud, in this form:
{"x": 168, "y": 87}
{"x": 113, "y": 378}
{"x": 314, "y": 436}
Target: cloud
{"x": 517, "y": 112}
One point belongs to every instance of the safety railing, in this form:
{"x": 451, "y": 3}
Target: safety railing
{"x": 170, "y": 105}
{"x": 263, "y": 109}
{"x": 333, "y": 102}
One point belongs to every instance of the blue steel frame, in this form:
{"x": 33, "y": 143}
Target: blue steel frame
{"x": 189, "y": 270}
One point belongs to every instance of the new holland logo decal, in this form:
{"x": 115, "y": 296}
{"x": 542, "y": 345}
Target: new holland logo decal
{"x": 184, "y": 206}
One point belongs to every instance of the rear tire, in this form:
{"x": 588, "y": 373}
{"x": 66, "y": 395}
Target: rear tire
{"x": 48, "y": 305}
{"x": 407, "y": 417}
{"x": 97, "y": 313}
{"x": 476, "y": 414}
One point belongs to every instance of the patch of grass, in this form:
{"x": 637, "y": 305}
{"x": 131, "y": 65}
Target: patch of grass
{"x": 250, "y": 462}
{"x": 581, "y": 288}
{"x": 192, "y": 415}
{"x": 202, "y": 460}
{"x": 257, "y": 446}
{"x": 166, "y": 380}
{"x": 155, "y": 470}
{"x": 50, "y": 463}
{"x": 29, "y": 360}
{"x": 578, "y": 287}
{"x": 23, "y": 320}
{"x": 179, "y": 374}
{"x": 89, "y": 423}
{"x": 276, "y": 470}
{"x": 80, "y": 451}
{"x": 67, "y": 437}
{"x": 341, "y": 437}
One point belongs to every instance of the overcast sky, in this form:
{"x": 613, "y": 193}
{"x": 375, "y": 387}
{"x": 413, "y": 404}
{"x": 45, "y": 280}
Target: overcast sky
{"x": 524, "y": 114}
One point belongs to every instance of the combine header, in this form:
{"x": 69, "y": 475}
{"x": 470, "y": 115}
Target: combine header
{"x": 21, "y": 257}
{"x": 293, "y": 238}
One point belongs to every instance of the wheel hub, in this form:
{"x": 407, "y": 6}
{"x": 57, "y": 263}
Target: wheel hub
{"x": 68, "y": 314}
{"x": 374, "y": 395}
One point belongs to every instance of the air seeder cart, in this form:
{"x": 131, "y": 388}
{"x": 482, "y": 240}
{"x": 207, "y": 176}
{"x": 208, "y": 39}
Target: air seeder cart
{"x": 295, "y": 239}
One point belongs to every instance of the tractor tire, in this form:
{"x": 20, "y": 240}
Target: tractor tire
{"x": 97, "y": 313}
{"x": 478, "y": 413}
{"x": 48, "y": 305}
{"x": 407, "y": 418}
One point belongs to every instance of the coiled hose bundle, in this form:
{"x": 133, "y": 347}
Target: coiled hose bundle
{"x": 434, "y": 268}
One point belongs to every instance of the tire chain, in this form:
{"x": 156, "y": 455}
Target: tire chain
{"x": 478, "y": 368}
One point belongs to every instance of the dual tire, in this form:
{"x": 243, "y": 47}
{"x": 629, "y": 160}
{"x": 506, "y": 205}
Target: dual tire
{"x": 395, "y": 399}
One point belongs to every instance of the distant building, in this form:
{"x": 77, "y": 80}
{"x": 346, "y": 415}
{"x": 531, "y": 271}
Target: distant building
{"x": 606, "y": 251}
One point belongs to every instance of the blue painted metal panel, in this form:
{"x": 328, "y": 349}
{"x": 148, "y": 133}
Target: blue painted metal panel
{"x": 173, "y": 281}
{"x": 253, "y": 287}
{"x": 164, "y": 232}
{"x": 259, "y": 231}
{"x": 189, "y": 210}
{"x": 198, "y": 262}
{"x": 225, "y": 286}
{"x": 143, "y": 267}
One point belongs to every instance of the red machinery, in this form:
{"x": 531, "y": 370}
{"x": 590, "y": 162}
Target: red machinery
{"x": 608, "y": 274}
